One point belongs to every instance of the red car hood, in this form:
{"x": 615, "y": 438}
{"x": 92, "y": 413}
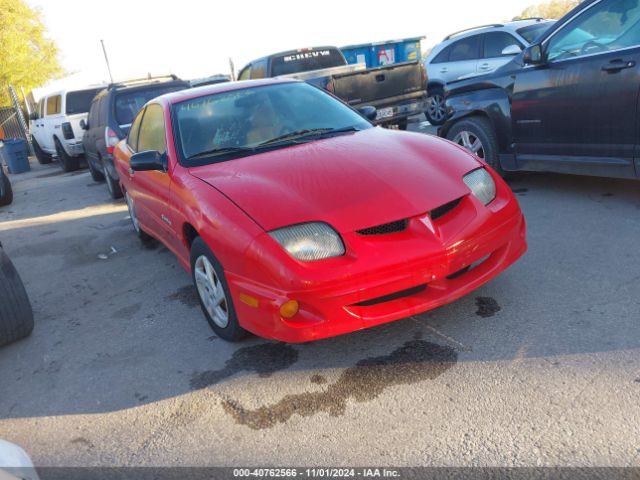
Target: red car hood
{"x": 351, "y": 181}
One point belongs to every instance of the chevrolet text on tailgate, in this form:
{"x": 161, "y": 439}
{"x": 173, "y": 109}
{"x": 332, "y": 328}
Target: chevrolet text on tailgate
{"x": 397, "y": 91}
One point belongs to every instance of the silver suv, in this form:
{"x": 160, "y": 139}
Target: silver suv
{"x": 475, "y": 51}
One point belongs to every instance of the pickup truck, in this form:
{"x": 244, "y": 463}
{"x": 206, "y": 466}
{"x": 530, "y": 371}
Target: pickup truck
{"x": 397, "y": 91}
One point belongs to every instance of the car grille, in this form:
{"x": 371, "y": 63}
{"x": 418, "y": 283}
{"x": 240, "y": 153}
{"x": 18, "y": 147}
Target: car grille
{"x": 393, "y": 296}
{"x": 387, "y": 228}
{"x": 441, "y": 211}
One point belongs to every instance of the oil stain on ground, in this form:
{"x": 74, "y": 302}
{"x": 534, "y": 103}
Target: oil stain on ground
{"x": 186, "y": 295}
{"x": 487, "y": 307}
{"x": 264, "y": 359}
{"x": 415, "y": 361}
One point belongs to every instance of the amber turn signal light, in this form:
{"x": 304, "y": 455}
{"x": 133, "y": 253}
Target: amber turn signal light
{"x": 289, "y": 309}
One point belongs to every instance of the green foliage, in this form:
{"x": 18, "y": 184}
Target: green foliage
{"x": 28, "y": 58}
{"x": 553, "y": 9}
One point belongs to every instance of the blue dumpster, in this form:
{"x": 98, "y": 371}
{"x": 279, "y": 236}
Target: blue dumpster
{"x": 15, "y": 154}
{"x": 377, "y": 54}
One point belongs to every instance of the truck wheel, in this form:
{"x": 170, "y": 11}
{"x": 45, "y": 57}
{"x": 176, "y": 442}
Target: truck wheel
{"x": 7, "y": 196}
{"x": 476, "y": 134}
{"x": 213, "y": 293}
{"x": 43, "y": 158}
{"x": 436, "y": 107}
{"x": 16, "y": 316}
{"x": 67, "y": 162}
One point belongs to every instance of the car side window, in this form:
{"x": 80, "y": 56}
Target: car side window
{"x": 443, "y": 56}
{"x": 132, "y": 138}
{"x": 245, "y": 74}
{"x": 54, "y": 105}
{"x": 607, "y": 26}
{"x": 465, "y": 49}
{"x": 496, "y": 42}
{"x": 152, "y": 134}
{"x": 259, "y": 69}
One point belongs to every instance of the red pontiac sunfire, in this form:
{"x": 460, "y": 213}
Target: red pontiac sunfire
{"x": 299, "y": 220}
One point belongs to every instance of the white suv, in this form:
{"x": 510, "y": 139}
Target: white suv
{"x": 55, "y": 126}
{"x": 475, "y": 51}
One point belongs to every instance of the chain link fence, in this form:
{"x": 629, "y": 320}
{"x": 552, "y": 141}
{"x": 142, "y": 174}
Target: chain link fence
{"x": 13, "y": 119}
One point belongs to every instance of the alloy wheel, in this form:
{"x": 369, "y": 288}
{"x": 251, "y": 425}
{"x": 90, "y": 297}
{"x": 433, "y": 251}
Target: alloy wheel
{"x": 211, "y": 291}
{"x": 436, "y": 108}
{"x": 471, "y": 142}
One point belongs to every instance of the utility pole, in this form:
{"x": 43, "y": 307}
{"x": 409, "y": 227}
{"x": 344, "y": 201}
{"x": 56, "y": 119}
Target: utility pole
{"x": 106, "y": 59}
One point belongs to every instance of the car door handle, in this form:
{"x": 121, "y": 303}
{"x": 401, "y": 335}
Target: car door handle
{"x": 617, "y": 65}
{"x": 444, "y": 70}
{"x": 484, "y": 66}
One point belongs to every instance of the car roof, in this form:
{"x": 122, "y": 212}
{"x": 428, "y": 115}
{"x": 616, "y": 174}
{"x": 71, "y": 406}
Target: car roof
{"x": 191, "y": 93}
{"x": 508, "y": 26}
{"x": 64, "y": 91}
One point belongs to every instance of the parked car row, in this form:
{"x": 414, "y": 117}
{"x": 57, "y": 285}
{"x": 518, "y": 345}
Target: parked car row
{"x": 567, "y": 104}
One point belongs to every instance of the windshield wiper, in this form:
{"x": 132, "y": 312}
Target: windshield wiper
{"x": 310, "y": 132}
{"x": 220, "y": 151}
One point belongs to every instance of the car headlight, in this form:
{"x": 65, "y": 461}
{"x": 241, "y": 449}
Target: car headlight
{"x": 482, "y": 185}
{"x": 310, "y": 241}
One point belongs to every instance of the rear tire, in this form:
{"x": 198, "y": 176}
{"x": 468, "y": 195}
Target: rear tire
{"x": 436, "y": 107}
{"x": 42, "y": 157}
{"x": 7, "y": 197}
{"x": 213, "y": 292}
{"x": 477, "y": 135}
{"x": 112, "y": 185}
{"x": 144, "y": 237}
{"x": 16, "y": 316}
{"x": 97, "y": 175}
{"x": 67, "y": 162}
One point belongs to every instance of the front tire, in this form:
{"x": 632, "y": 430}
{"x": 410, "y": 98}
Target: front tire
{"x": 7, "y": 196}
{"x": 16, "y": 316}
{"x": 42, "y": 157}
{"x": 213, "y": 292}
{"x": 67, "y": 162}
{"x": 477, "y": 135}
{"x": 436, "y": 107}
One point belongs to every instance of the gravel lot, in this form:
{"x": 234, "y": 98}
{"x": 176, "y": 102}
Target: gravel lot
{"x": 539, "y": 367}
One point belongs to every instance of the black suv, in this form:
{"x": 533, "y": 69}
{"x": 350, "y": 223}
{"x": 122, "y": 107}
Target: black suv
{"x": 569, "y": 103}
{"x": 109, "y": 121}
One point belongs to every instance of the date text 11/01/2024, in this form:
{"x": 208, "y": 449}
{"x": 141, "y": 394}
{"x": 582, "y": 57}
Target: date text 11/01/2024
{"x": 316, "y": 472}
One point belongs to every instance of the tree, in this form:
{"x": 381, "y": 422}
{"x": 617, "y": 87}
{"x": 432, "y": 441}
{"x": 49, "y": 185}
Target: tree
{"x": 28, "y": 58}
{"x": 552, "y": 9}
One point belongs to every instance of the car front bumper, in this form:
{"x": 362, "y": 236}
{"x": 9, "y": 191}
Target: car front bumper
{"x": 475, "y": 244}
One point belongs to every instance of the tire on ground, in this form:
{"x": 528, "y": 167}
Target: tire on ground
{"x": 42, "y": 157}
{"x": 7, "y": 196}
{"x": 16, "y": 316}
{"x": 437, "y": 91}
{"x": 67, "y": 162}
{"x": 233, "y": 332}
{"x": 481, "y": 127}
{"x": 112, "y": 184}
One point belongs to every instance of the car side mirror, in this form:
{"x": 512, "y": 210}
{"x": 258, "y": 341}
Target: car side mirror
{"x": 84, "y": 125}
{"x": 368, "y": 112}
{"x": 533, "y": 55}
{"x": 33, "y": 116}
{"x": 512, "y": 50}
{"x": 150, "y": 160}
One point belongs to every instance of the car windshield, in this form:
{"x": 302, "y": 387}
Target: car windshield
{"x": 534, "y": 32}
{"x": 129, "y": 103}
{"x": 227, "y": 125}
{"x": 80, "y": 101}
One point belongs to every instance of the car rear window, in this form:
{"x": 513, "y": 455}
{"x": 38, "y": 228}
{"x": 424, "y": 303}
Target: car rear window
{"x": 80, "y": 101}
{"x": 307, "y": 60}
{"x": 534, "y": 32}
{"x": 128, "y": 104}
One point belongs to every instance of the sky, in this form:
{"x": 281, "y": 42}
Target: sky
{"x": 196, "y": 38}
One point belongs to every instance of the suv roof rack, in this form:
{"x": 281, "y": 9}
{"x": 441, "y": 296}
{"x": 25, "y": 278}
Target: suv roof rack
{"x": 537, "y": 19}
{"x": 493, "y": 25}
{"x": 149, "y": 78}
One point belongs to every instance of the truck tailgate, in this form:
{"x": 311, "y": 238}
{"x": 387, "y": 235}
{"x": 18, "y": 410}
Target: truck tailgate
{"x": 375, "y": 85}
